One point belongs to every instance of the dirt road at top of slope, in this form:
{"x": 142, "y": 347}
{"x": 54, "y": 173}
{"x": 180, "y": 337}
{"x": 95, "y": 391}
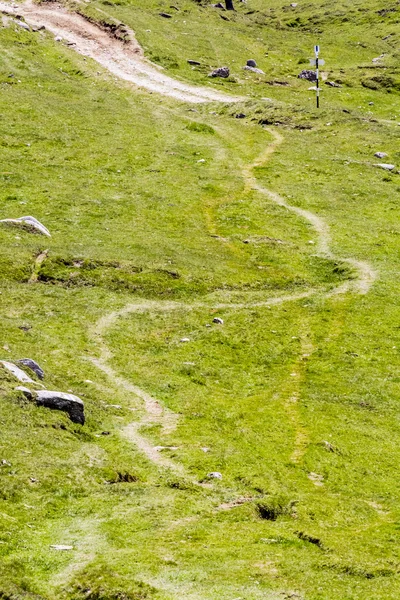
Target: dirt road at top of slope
{"x": 124, "y": 59}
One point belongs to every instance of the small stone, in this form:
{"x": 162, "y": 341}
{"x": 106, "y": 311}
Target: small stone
{"x": 254, "y": 70}
{"x": 194, "y": 62}
{"x": 251, "y": 63}
{"x": 61, "y": 547}
{"x": 16, "y": 371}
{"x": 23, "y": 25}
{"x": 5, "y": 463}
{"x": 218, "y": 320}
{"x": 184, "y": 340}
{"x": 26, "y": 391}
{"x": 385, "y": 166}
{"x": 308, "y": 75}
{"x": 58, "y": 38}
{"x": 32, "y": 365}
{"x": 220, "y": 72}
{"x": 370, "y": 103}
{"x": 380, "y": 154}
{"x": 165, "y": 15}
{"x": 218, "y": 5}
{"x": 240, "y": 116}
{"x": 214, "y": 475}
{"x": 68, "y": 403}
{"x": 333, "y": 84}
{"x": 202, "y": 160}
{"x": 329, "y": 446}
{"x": 205, "y": 449}
{"x": 294, "y": 4}
{"x": 29, "y": 223}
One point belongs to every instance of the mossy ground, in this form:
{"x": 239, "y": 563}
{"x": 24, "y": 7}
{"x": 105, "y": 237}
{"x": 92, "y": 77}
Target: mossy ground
{"x": 114, "y": 174}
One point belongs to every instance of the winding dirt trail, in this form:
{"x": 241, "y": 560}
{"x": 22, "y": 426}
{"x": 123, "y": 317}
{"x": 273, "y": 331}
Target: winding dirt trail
{"x": 126, "y": 61}
{"x": 123, "y": 59}
{"x": 154, "y": 411}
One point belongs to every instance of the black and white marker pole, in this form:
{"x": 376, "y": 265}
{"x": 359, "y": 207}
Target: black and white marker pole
{"x": 317, "y": 62}
{"x": 317, "y": 71}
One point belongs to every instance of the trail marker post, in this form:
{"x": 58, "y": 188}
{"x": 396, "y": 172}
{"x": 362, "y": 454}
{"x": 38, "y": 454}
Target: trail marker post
{"x": 317, "y": 62}
{"x": 316, "y": 48}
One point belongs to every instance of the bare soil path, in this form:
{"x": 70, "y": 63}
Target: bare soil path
{"x": 123, "y": 59}
{"x": 126, "y": 61}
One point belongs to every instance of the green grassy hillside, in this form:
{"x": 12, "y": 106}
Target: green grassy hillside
{"x": 158, "y": 228}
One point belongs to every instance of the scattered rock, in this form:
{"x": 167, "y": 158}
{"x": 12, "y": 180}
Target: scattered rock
{"x": 333, "y": 84}
{"x": 61, "y": 401}
{"x": 294, "y": 4}
{"x": 161, "y": 448}
{"x": 385, "y": 166}
{"x": 220, "y": 72}
{"x": 184, "y": 340}
{"x": 23, "y": 25}
{"x": 251, "y": 63}
{"x": 328, "y": 446}
{"x": 26, "y": 392}
{"x": 58, "y": 38}
{"x": 254, "y": 70}
{"x": 218, "y": 320}
{"x": 380, "y": 154}
{"x": 5, "y": 463}
{"x": 378, "y": 58}
{"x": 32, "y": 365}
{"x": 194, "y": 62}
{"x": 214, "y": 475}
{"x": 309, "y": 75}
{"x": 165, "y": 15}
{"x": 29, "y": 223}
{"x": 205, "y": 449}
{"x": 240, "y": 116}
{"x": 38, "y": 28}
{"x": 61, "y": 547}
{"x": 16, "y": 371}
{"x": 218, "y": 5}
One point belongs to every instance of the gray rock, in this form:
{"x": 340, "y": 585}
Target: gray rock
{"x": 240, "y": 116}
{"x": 333, "y": 84}
{"x": 29, "y": 223}
{"x": 218, "y": 5}
{"x": 23, "y": 25}
{"x": 165, "y": 15}
{"x": 26, "y": 392}
{"x": 380, "y": 154}
{"x": 251, "y": 63}
{"x": 60, "y": 401}
{"x": 16, "y": 371}
{"x": 220, "y": 72}
{"x": 309, "y": 75}
{"x": 253, "y": 70}
{"x": 214, "y": 475}
{"x": 61, "y": 547}
{"x": 385, "y": 166}
{"x": 32, "y": 365}
{"x": 218, "y": 320}
{"x": 185, "y": 340}
{"x": 193, "y": 62}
